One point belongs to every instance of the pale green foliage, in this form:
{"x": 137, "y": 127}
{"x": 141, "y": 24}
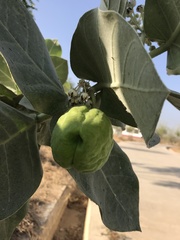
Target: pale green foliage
{"x": 120, "y": 62}
{"x": 6, "y": 77}
{"x": 7, "y": 226}
{"x": 107, "y": 49}
{"x": 162, "y": 24}
{"x": 59, "y": 63}
{"x": 67, "y": 86}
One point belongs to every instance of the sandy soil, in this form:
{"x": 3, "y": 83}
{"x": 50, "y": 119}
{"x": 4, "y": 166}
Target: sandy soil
{"x": 55, "y": 179}
{"x": 71, "y": 225}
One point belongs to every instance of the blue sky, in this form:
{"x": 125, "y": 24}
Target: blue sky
{"x": 58, "y": 20}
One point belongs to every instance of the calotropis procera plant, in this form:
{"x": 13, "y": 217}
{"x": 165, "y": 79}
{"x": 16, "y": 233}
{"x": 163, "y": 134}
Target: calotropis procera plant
{"x": 107, "y": 49}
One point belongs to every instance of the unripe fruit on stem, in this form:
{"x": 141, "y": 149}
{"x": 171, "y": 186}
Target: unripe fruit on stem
{"x": 82, "y": 139}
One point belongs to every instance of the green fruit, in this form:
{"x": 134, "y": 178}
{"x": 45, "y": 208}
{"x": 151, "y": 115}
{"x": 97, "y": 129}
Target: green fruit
{"x": 82, "y": 139}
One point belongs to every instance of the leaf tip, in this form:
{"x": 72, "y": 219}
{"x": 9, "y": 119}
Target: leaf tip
{"x": 154, "y": 140}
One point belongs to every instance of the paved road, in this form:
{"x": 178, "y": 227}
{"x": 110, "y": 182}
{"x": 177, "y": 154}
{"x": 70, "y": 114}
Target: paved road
{"x": 158, "y": 170}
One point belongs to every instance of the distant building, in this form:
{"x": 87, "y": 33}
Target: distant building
{"x": 132, "y": 132}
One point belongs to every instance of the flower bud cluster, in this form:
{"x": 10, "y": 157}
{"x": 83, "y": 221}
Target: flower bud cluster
{"x": 131, "y": 5}
{"x": 136, "y": 15}
{"x": 149, "y": 44}
{"x": 79, "y": 95}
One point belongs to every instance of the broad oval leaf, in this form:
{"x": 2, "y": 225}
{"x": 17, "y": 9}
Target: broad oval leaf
{"x": 6, "y": 78}
{"x": 161, "y": 18}
{"x": 20, "y": 167}
{"x": 59, "y": 63}
{"x": 88, "y": 55}
{"x": 53, "y": 47}
{"x": 162, "y": 23}
{"x": 8, "y": 96}
{"x": 116, "y": 110}
{"x": 119, "y": 6}
{"x": 107, "y": 50}
{"x": 61, "y": 67}
{"x": 115, "y": 189}
{"x": 8, "y": 225}
{"x": 25, "y": 51}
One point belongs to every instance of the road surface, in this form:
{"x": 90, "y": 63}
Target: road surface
{"x": 158, "y": 170}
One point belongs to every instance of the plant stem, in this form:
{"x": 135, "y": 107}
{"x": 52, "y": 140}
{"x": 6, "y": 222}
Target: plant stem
{"x": 164, "y": 47}
{"x": 41, "y": 117}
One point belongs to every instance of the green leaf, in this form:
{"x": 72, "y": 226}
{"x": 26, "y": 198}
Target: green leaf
{"x": 9, "y": 97}
{"x": 53, "y": 47}
{"x": 117, "y": 123}
{"x": 67, "y": 85}
{"x": 8, "y": 225}
{"x": 88, "y": 53}
{"x": 20, "y": 167}
{"x": 59, "y": 63}
{"x": 174, "y": 99}
{"x": 25, "y": 51}
{"x": 6, "y": 95}
{"x": 119, "y": 6}
{"x": 161, "y": 18}
{"x": 162, "y": 24}
{"x": 6, "y": 92}
{"x": 44, "y": 133}
{"x": 61, "y": 67}
{"x": 116, "y": 110}
{"x": 115, "y": 189}
{"x": 107, "y": 50}
{"x": 6, "y": 78}
{"x": 26, "y": 103}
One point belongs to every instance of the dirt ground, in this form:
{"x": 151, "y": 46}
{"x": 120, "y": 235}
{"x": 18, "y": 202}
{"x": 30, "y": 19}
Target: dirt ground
{"x": 174, "y": 147}
{"x": 71, "y": 225}
{"x": 55, "y": 179}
